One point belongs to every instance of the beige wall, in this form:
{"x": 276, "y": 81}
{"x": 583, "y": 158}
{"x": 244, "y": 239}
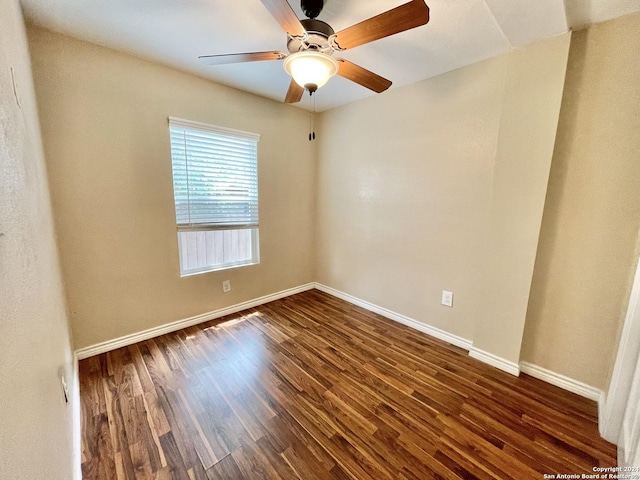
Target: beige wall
{"x": 412, "y": 183}
{"x": 104, "y": 124}
{"x": 589, "y": 236}
{"x": 404, "y": 185}
{"x": 35, "y": 423}
{"x": 531, "y": 106}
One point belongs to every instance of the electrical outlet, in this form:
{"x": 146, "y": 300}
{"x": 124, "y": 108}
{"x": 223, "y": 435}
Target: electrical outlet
{"x": 447, "y": 298}
{"x": 226, "y": 286}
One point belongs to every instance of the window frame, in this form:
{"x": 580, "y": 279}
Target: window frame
{"x": 194, "y": 227}
{"x": 255, "y": 257}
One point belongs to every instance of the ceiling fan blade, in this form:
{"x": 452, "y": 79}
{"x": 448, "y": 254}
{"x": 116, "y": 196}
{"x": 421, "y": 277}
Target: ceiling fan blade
{"x": 362, "y": 76}
{"x": 399, "y": 19}
{"x": 285, "y": 16}
{"x": 294, "y": 94}
{"x": 240, "y": 57}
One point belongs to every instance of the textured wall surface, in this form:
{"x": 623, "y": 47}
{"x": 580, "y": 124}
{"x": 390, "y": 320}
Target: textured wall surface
{"x": 105, "y": 134}
{"x": 440, "y": 186}
{"x": 589, "y": 237}
{"x": 404, "y": 184}
{"x": 35, "y": 422}
{"x": 532, "y": 98}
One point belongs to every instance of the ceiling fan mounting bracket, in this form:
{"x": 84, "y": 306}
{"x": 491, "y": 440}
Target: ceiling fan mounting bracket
{"x": 319, "y": 36}
{"x": 333, "y": 43}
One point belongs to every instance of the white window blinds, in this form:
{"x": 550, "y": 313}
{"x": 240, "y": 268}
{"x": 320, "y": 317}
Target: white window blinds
{"x": 215, "y": 176}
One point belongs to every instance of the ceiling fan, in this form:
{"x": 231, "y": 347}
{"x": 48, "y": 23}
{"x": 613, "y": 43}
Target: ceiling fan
{"x": 312, "y": 43}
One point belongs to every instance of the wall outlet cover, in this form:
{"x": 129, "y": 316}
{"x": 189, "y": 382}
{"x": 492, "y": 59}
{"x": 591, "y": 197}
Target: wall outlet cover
{"x": 447, "y": 298}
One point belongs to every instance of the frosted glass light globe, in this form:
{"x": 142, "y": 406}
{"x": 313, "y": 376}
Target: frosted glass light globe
{"x": 310, "y": 68}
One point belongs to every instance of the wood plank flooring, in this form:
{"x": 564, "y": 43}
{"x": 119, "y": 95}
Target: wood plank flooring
{"x": 311, "y": 387}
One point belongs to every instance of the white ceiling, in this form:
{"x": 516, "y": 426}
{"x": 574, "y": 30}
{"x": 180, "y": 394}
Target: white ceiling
{"x": 176, "y": 32}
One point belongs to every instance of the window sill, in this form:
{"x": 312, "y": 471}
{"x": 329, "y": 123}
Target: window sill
{"x": 219, "y": 268}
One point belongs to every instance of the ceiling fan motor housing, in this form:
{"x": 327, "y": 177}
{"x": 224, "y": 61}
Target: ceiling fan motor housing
{"x": 317, "y": 38}
{"x": 312, "y": 8}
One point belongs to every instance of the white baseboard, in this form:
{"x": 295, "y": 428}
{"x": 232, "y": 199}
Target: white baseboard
{"x": 391, "y": 315}
{"x": 602, "y": 417}
{"x": 580, "y": 388}
{"x": 495, "y": 361}
{"x": 486, "y": 357}
{"x": 109, "y": 345}
{"x": 513, "y": 368}
{"x": 76, "y": 424}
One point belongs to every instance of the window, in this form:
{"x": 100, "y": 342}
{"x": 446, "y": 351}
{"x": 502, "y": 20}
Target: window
{"x": 215, "y": 187}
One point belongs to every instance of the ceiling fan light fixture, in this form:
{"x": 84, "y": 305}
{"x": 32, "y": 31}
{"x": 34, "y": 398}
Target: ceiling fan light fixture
{"x": 310, "y": 68}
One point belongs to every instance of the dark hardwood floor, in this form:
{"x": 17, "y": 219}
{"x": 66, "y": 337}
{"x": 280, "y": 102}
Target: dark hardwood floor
{"x": 312, "y": 387}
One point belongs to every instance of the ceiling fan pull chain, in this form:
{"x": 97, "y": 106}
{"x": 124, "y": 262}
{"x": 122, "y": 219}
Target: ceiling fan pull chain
{"x": 310, "y": 122}
{"x": 312, "y": 132}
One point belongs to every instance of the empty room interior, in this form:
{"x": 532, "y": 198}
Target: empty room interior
{"x": 301, "y": 239}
